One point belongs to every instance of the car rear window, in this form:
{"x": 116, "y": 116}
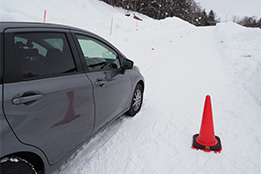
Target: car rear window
{"x": 43, "y": 54}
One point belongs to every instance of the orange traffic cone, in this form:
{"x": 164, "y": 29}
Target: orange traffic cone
{"x": 206, "y": 139}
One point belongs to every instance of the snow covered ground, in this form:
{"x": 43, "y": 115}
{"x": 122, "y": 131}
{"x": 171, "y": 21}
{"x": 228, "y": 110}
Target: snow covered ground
{"x": 181, "y": 64}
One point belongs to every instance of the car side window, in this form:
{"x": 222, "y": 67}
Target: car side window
{"x": 1, "y": 57}
{"x": 43, "y": 54}
{"x": 98, "y": 56}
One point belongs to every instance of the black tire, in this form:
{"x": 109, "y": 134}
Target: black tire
{"x": 16, "y": 165}
{"x": 136, "y": 101}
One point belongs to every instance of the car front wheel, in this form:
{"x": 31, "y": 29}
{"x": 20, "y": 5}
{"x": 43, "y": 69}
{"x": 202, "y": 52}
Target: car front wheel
{"x": 136, "y": 102}
{"x": 16, "y": 165}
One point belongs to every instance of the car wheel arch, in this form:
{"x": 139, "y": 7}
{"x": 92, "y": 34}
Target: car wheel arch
{"x": 142, "y": 84}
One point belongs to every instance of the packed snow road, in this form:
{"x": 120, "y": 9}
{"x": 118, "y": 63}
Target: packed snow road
{"x": 181, "y": 67}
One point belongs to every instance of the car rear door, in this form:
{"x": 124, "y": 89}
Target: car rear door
{"x": 112, "y": 85}
{"x": 48, "y": 100}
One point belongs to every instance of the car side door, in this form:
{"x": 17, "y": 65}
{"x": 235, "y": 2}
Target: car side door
{"x": 48, "y": 100}
{"x": 112, "y": 85}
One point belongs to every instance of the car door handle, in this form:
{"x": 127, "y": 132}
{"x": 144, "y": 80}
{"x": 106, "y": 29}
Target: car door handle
{"x": 100, "y": 82}
{"x": 27, "y": 99}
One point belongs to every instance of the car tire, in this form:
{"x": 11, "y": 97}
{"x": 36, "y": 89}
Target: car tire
{"x": 136, "y": 101}
{"x": 16, "y": 165}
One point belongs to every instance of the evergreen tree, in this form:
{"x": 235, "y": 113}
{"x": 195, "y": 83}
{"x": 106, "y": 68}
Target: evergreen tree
{"x": 211, "y": 18}
{"x": 204, "y": 18}
{"x": 259, "y": 23}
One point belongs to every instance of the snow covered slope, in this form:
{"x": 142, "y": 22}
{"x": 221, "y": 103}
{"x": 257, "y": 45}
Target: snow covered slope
{"x": 93, "y": 15}
{"x": 185, "y": 65}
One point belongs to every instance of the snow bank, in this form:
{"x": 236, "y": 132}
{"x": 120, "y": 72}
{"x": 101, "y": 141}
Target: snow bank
{"x": 241, "y": 48}
{"x": 79, "y": 13}
{"x": 92, "y": 15}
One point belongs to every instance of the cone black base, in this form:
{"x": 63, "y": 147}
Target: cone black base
{"x": 216, "y": 148}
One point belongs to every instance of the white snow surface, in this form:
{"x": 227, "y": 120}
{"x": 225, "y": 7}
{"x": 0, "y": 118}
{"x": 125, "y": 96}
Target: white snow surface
{"x": 181, "y": 64}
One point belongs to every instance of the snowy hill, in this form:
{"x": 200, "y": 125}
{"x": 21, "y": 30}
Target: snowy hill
{"x": 185, "y": 64}
{"x": 93, "y": 15}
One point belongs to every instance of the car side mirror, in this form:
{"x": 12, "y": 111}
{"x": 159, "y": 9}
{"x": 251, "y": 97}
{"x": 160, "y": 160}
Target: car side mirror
{"x": 127, "y": 64}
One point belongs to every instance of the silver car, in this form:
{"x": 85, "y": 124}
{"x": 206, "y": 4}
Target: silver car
{"x": 59, "y": 86}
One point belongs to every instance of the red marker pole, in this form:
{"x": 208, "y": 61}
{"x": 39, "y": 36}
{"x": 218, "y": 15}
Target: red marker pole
{"x": 44, "y": 16}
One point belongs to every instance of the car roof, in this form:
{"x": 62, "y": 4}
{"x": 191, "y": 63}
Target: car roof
{"x": 5, "y": 25}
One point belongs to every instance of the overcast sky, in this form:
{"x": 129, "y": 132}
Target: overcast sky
{"x": 232, "y": 7}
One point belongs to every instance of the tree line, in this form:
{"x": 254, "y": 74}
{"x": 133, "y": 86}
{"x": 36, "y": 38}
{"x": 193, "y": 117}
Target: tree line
{"x": 187, "y": 10}
{"x": 248, "y": 21}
